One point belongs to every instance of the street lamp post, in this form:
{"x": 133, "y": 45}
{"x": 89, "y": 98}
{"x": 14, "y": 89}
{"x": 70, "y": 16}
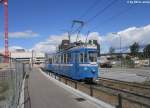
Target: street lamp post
{"x": 120, "y": 49}
{"x": 32, "y": 58}
{"x": 120, "y": 45}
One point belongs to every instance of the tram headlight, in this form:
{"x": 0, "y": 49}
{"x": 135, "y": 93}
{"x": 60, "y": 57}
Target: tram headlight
{"x": 85, "y": 68}
{"x": 93, "y": 70}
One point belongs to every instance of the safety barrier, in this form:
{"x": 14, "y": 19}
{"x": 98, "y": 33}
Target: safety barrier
{"x": 12, "y": 75}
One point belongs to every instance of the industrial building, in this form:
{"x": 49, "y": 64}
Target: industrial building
{"x": 28, "y": 56}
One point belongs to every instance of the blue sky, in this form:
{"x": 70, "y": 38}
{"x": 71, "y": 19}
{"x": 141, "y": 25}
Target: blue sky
{"x": 39, "y": 19}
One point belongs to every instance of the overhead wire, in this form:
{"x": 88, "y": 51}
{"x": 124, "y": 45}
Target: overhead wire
{"x": 89, "y": 9}
{"x": 96, "y": 2}
{"x": 101, "y": 11}
{"x": 112, "y": 17}
{"x": 97, "y": 14}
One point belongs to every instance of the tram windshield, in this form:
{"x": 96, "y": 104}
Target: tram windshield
{"x": 92, "y": 56}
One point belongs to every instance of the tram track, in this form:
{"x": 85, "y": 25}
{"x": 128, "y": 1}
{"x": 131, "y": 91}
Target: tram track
{"x": 130, "y": 87}
{"x": 139, "y": 85}
{"x": 138, "y": 97}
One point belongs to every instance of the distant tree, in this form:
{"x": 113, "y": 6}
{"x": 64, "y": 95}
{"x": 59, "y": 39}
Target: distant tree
{"x": 111, "y": 50}
{"x": 147, "y": 51}
{"x": 134, "y": 48}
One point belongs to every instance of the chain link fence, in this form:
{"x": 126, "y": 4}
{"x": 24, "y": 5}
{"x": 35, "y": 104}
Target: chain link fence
{"x": 12, "y": 75}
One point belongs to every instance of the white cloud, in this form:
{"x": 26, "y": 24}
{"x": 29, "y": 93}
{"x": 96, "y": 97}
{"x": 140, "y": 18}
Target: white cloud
{"x": 23, "y": 34}
{"x": 128, "y": 37}
{"x": 53, "y": 41}
{"x": 1, "y": 50}
{"x": 12, "y": 48}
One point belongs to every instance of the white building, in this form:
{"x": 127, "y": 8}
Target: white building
{"x": 28, "y": 56}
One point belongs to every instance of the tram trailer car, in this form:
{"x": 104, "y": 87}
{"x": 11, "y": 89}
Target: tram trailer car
{"x": 78, "y": 63}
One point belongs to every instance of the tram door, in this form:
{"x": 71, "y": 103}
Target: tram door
{"x": 76, "y": 64}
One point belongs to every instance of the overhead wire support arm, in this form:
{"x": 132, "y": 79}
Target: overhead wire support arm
{"x": 78, "y": 30}
{"x": 81, "y": 24}
{"x": 78, "y": 22}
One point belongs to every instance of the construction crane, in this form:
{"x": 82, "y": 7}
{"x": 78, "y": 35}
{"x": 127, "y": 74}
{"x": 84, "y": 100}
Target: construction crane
{"x": 6, "y": 53}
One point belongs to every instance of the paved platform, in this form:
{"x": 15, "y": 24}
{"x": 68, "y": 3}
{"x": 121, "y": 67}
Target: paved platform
{"x": 44, "y": 93}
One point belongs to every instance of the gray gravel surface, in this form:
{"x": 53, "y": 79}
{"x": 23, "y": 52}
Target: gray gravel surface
{"x": 126, "y": 74}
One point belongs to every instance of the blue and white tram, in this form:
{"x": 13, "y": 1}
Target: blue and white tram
{"x": 79, "y": 63}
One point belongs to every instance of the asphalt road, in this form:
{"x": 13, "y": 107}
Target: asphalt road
{"x": 46, "y": 94}
{"x": 126, "y": 74}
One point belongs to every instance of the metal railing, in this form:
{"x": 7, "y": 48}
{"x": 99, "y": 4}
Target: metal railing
{"x": 12, "y": 75}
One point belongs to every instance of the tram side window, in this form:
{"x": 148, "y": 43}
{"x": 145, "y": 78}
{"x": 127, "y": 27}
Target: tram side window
{"x": 53, "y": 60}
{"x": 64, "y": 58}
{"x": 81, "y": 57}
{"x": 73, "y": 57}
{"x": 85, "y": 57}
{"x": 50, "y": 60}
{"x": 68, "y": 57}
{"x": 92, "y": 56}
{"x": 61, "y": 58}
{"x": 57, "y": 59}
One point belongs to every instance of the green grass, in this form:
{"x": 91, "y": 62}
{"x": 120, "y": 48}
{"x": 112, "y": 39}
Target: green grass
{"x": 4, "y": 87}
{"x": 147, "y": 83}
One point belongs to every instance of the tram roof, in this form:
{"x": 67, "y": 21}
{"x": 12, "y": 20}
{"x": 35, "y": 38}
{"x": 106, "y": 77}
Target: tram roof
{"x": 79, "y": 48}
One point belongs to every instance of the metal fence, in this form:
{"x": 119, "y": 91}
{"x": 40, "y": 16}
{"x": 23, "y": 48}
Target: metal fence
{"x": 11, "y": 80}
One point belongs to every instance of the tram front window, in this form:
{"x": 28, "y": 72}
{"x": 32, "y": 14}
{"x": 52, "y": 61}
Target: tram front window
{"x": 92, "y": 56}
